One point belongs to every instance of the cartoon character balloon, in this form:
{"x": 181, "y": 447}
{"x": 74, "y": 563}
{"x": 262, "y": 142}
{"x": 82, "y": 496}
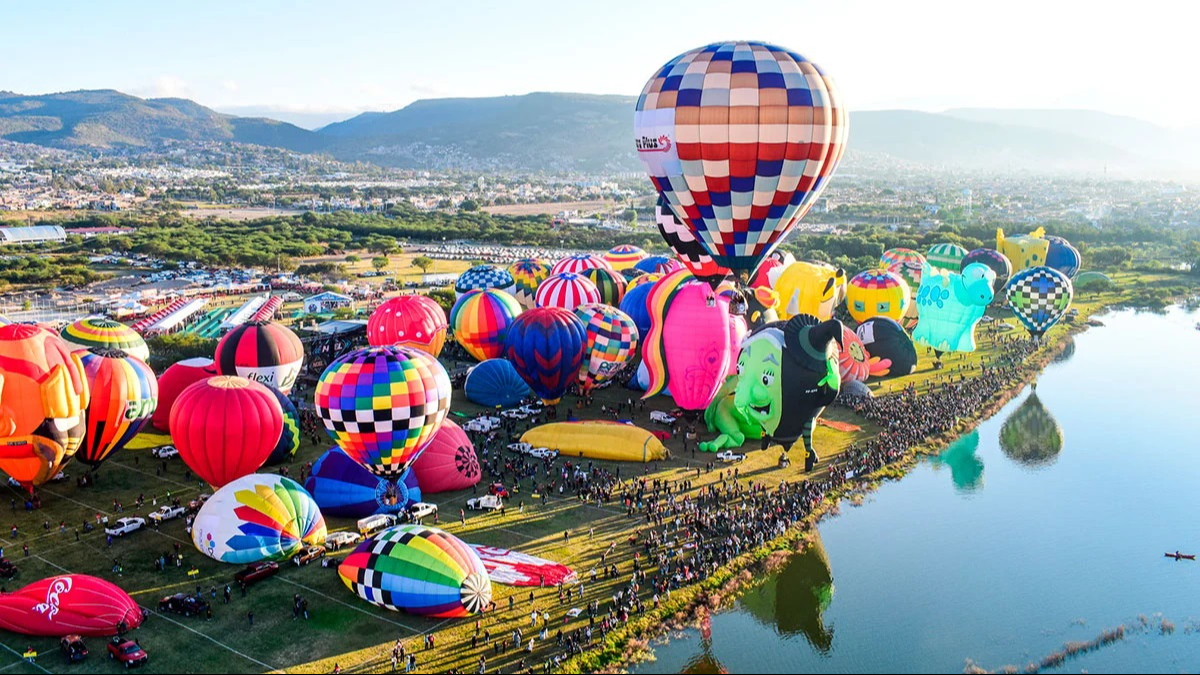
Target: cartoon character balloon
{"x": 740, "y": 138}
{"x": 69, "y": 604}
{"x": 480, "y": 320}
{"x": 612, "y": 340}
{"x": 683, "y": 242}
{"x": 263, "y": 351}
{"x": 808, "y": 288}
{"x": 528, "y": 274}
{"x": 483, "y": 277}
{"x": 877, "y": 293}
{"x": 1024, "y": 250}
{"x": 258, "y": 517}
{"x": 951, "y": 305}
{"x": 687, "y": 348}
{"x": 106, "y": 333}
{"x": 225, "y": 427}
{"x": 854, "y": 362}
{"x": 1039, "y": 297}
{"x": 415, "y": 321}
{"x": 124, "y": 396}
{"x": 546, "y": 347}
{"x": 890, "y": 346}
{"x": 382, "y": 405}
{"x": 344, "y": 488}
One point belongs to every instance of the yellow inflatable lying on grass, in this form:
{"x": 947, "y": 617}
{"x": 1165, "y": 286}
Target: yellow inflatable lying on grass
{"x": 610, "y": 441}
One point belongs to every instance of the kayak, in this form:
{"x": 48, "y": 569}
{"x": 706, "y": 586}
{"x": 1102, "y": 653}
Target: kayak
{"x": 1180, "y": 556}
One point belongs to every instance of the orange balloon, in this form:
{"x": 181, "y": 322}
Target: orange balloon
{"x": 40, "y": 380}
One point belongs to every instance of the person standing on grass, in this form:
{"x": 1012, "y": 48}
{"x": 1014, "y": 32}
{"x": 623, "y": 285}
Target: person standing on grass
{"x": 250, "y": 617}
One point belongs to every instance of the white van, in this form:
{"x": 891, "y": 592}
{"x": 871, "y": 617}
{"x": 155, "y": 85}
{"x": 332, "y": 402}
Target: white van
{"x": 372, "y": 524}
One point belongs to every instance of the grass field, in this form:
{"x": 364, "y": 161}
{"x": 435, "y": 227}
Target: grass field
{"x": 344, "y": 630}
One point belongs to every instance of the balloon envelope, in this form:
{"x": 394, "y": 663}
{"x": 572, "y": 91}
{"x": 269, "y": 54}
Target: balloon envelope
{"x": 1039, "y": 297}
{"x": 610, "y": 284}
{"x": 945, "y": 257}
{"x": 449, "y": 461}
{"x": 225, "y": 427}
{"x": 289, "y": 438}
{"x": 495, "y": 383}
{"x": 994, "y": 260}
{"x": 951, "y": 305}
{"x": 483, "y": 277}
{"x": 106, "y": 333}
{"x": 636, "y": 306}
{"x": 69, "y": 604}
{"x": 527, "y": 275}
{"x": 264, "y": 351}
{"x": 612, "y": 340}
{"x": 176, "y": 378}
{"x": 258, "y": 517}
{"x": 808, "y": 288}
{"x": 124, "y": 396}
{"x": 415, "y": 321}
{"x": 576, "y": 264}
{"x": 344, "y": 488}
{"x": 546, "y": 347}
{"x": 892, "y": 351}
{"x": 877, "y": 293}
{"x": 691, "y": 253}
{"x": 687, "y": 347}
{"x": 566, "y": 290}
{"x": 480, "y": 320}
{"x": 623, "y": 256}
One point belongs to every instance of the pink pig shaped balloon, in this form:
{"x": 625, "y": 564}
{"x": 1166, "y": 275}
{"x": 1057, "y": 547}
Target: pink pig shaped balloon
{"x": 688, "y": 347}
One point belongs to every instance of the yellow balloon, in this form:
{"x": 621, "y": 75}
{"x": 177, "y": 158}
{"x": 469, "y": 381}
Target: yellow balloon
{"x": 809, "y": 288}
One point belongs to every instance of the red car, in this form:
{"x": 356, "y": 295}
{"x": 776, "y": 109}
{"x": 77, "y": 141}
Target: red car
{"x": 661, "y": 435}
{"x": 256, "y": 572}
{"x": 127, "y": 652}
{"x": 498, "y": 490}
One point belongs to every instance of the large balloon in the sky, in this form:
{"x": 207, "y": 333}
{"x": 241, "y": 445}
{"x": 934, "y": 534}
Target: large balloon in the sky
{"x": 289, "y": 438}
{"x": 610, "y": 284}
{"x": 877, "y": 293}
{"x": 995, "y": 261}
{"x": 176, "y": 378}
{"x": 264, "y": 351}
{"x": 687, "y": 348}
{"x": 1062, "y": 256}
{"x": 415, "y": 321}
{"x": 448, "y": 463}
{"x": 258, "y": 517}
{"x": 420, "y": 570}
{"x": 382, "y": 405}
{"x": 612, "y": 340}
{"x": 105, "y": 333}
{"x": 740, "y": 138}
{"x": 623, "y": 256}
{"x": 483, "y": 277}
{"x": 344, "y": 488}
{"x": 495, "y": 383}
{"x": 124, "y": 396}
{"x": 683, "y": 242}
{"x": 892, "y": 351}
{"x": 577, "y": 263}
{"x": 566, "y": 290}
{"x": 69, "y": 604}
{"x": 546, "y": 347}
{"x": 945, "y": 257}
{"x": 225, "y": 427}
{"x": 1039, "y": 297}
{"x": 527, "y": 274}
{"x": 636, "y": 306}
{"x": 951, "y": 305}
{"x": 808, "y": 288}
{"x": 480, "y": 319}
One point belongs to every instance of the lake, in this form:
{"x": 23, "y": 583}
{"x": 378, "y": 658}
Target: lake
{"x": 1046, "y": 525}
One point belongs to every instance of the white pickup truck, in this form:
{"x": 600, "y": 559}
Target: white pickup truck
{"x": 167, "y": 513}
{"x": 485, "y": 503}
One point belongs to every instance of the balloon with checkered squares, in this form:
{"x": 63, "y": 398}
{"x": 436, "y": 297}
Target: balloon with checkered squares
{"x": 1040, "y": 297}
{"x": 612, "y": 340}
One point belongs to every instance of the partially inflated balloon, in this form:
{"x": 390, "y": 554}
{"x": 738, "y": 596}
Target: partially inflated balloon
{"x": 808, "y": 288}
{"x": 382, "y": 405}
{"x": 480, "y": 320}
{"x": 483, "y": 277}
{"x": 289, "y": 438}
{"x": 877, "y": 293}
{"x": 495, "y": 383}
{"x": 546, "y": 347}
{"x": 892, "y": 351}
{"x": 415, "y": 321}
{"x": 683, "y": 242}
{"x": 623, "y": 256}
{"x": 124, "y": 396}
{"x": 527, "y": 274}
{"x": 344, "y": 488}
{"x": 687, "y": 347}
{"x": 264, "y": 351}
{"x": 612, "y": 340}
{"x": 225, "y": 427}
{"x": 740, "y": 138}
{"x": 951, "y": 305}
{"x": 1039, "y": 297}
{"x": 105, "y": 333}
{"x": 610, "y": 284}
{"x": 174, "y": 380}
{"x": 448, "y": 462}
{"x": 69, "y": 604}
{"x": 945, "y": 257}
{"x": 420, "y": 570}
{"x": 576, "y": 264}
{"x": 566, "y": 290}
{"x": 995, "y": 261}
{"x": 258, "y": 517}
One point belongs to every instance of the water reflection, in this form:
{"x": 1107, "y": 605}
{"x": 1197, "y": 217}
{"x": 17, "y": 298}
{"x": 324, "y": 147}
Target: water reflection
{"x": 795, "y": 599}
{"x": 1067, "y": 352}
{"x": 1031, "y": 436}
{"x": 966, "y": 468}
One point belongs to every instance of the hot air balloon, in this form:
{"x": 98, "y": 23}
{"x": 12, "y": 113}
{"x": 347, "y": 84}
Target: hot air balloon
{"x": 644, "y": 278}
{"x": 176, "y": 378}
{"x": 1039, "y": 297}
{"x": 528, "y": 274}
{"x": 576, "y": 264}
{"x": 737, "y": 332}
{"x": 448, "y": 463}
{"x": 1062, "y": 256}
{"x": 901, "y": 255}
{"x": 483, "y": 277}
{"x": 258, "y": 517}
{"x": 945, "y": 257}
{"x": 124, "y": 396}
{"x": 419, "y": 570}
{"x": 951, "y": 305}
{"x": 623, "y": 256}
{"x": 480, "y": 319}
{"x": 566, "y": 290}
{"x": 854, "y": 363}
{"x": 495, "y": 383}
{"x": 691, "y": 253}
{"x": 225, "y": 427}
{"x": 659, "y": 264}
{"x": 610, "y": 284}
{"x": 69, "y": 604}
{"x": 546, "y": 347}
{"x": 1024, "y": 250}
{"x": 687, "y": 347}
{"x": 636, "y": 306}
{"x": 995, "y": 261}
{"x": 808, "y": 288}
{"x": 101, "y": 332}
{"x": 344, "y": 488}
{"x": 289, "y": 438}
{"x": 910, "y": 272}
{"x": 1031, "y": 436}
{"x": 891, "y": 349}
{"x": 740, "y": 138}
{"x": 768, "y": 270}
{"x": 382, "y": 405}
{"x": 612, "y": 340}
{"x": 415, "y": 321}
{"x": 877, "y": 293}
{"x": 264, "y": 351}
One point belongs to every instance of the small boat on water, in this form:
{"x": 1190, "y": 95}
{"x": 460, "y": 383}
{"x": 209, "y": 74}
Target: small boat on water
{"x": 1180, "y": 556}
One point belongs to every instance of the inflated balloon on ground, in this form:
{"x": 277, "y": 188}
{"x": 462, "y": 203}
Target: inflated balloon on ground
{"x": 480, "y": 320}
{"x": 258, "y": 517}
{"x": 1039, "y": 297}
{"x": 495, "y": 383}
{"x": 566, "y": 290}
{"x": 687, "y": 348}
{"x": 264, "y": 351}
{"x": 415, "y": 321}
{"x": 527, "y": 274}
{"x": 69, "y": 604}
{"x": 105, "y": 333}
{"x": 225, "y": 427}
{"x": 951, "y": 305}
{"x": 289, "y": 438}
{"x": 546, "y": 347}
{"x": 877, "y": 293}
{"x": 174, "y": 380}
{"x": 344, "y": 488}
{"x": 891, "y": 348}
{"x": 612, "y": 341}
{"x": 124, "y": 396}
{"x": 483, "y": 277}
{"x": 448, "y": 463}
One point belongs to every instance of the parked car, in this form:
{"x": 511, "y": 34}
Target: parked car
{"x": 372, "y": 524}
{"x": 337, "y": 540}
{"x": 309, "y": 554}
{"x": 183, "y": 603}
{"x": 499, "y": 490}
{"x": 124, "y": 526}
{"x": 165, "y": 452}
{"x": 730, "y": 456}
{"x": 661, "y": 417}
{"x": 256, "y": 572}
{"x": 520, "y": 447}
{"x": 167, "y": 512}
{"x": 196, "y": 503}
{"x": 127, "y": 652}
{"x": 485, "y": 503}
{"x": 73, "y": 648}
{"x": 420, "y": 510}
{"x": 543, "y": 453}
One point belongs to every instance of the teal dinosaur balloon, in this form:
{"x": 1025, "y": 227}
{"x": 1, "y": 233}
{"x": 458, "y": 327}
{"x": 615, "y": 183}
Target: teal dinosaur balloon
{"x": 950, "y": 306}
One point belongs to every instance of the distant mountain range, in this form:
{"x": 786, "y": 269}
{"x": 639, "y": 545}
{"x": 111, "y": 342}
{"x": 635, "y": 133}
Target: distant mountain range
{"x": 590, "y": 133}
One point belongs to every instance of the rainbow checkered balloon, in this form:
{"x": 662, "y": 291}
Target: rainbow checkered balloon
{"x": 612, "y": 341}
{"x": 382, "y": 405}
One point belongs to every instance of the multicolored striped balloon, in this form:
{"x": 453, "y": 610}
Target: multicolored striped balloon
{"x": 480, "y": 320}
{"x": 877, "y": 293}
{"x": 263, "y": 351}
{"x": 258, "y": 517}
{"x": 105, "y": 333}
{"x": 900, "y": 255}
{"x": 124, "y": 396}
{"x": 289, "y": 439}
{"x": 740, "y": 138}
{"x": 527, "y": 275}
{"x": 382, "y": 405}
{"x": 623, "y": 256}
{"x": 659, "y": 264}
{"x": 945, "y": 257}
{"x": 546, "y": 347}
{"x": 612, "y": 341}
{"x": 610, "y": 284}
{"x": 644, "y": 278}
{"x": 419, "y": 570}
{"x": 566, "y": 290}
{"x": 578, "y": 263}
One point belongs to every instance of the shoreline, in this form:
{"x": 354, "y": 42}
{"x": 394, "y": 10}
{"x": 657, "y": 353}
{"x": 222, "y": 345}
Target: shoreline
{"x": 687, "y": 607}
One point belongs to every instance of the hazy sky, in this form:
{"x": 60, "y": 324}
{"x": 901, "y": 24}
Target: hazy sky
{"x": 1136, "y": 59}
